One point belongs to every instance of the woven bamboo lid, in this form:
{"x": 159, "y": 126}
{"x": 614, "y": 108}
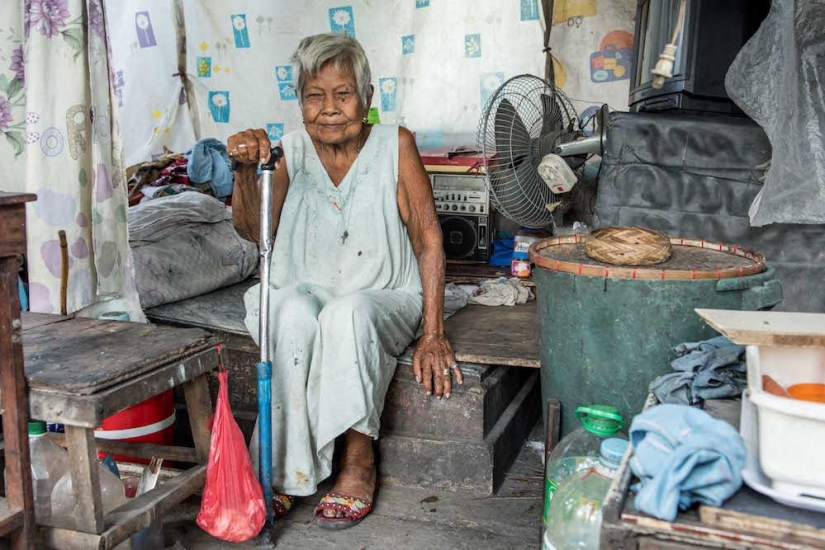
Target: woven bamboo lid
{"x": 627, "y": 246}
{"x": 690, "y": 259}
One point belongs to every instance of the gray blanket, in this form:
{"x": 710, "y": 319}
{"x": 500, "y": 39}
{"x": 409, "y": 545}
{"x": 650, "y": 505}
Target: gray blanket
{"x": 185, "y": 246}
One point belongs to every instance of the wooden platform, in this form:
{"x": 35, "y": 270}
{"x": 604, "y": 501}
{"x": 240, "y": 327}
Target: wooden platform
{"x": 479, "y": 334}
{"x": 464, "y": 443}
{"x": 473, "y": 273}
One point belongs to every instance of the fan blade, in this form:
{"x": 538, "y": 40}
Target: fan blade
{"x": 521, "y": 196}
{"x": 511, "y": 135}
{"x": 551, "y": 121}
{"x": 552, "y": 124}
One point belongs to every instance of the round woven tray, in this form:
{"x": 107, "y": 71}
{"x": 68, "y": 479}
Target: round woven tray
{"x": 628, "y": 246}
{"x": 690, "y": 259}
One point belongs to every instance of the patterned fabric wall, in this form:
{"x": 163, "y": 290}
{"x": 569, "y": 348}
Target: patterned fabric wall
{"x": 434, "y": 62}
{"x": 61, "y": 141}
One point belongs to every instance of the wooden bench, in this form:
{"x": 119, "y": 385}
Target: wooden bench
{"x": 465, "y": 443}
{"x": 80, "y": 371}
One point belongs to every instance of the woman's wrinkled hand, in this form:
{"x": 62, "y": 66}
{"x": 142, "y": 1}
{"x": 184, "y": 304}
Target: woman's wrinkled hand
{"x": 249, "y": 147}
{"x": 434, "y": 365}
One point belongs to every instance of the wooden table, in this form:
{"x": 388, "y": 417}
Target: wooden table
{"x": 81, "y": 371}
{"x": 746, "y": 520}
{"x": 17, "y": 509}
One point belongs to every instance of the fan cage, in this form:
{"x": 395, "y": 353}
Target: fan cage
{"x": 523, "y": 122}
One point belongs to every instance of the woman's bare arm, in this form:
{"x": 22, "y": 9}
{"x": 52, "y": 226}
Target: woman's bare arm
{"x": 433, "y": 354}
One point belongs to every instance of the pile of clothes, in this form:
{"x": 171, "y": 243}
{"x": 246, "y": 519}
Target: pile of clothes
{"x": 205, "y": 168}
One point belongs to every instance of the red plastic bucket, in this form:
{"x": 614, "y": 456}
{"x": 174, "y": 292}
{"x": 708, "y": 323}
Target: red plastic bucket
{"x": 152, "y": 421}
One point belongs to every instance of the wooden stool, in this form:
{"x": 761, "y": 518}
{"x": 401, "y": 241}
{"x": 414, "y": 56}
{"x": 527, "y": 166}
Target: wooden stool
{"x": 81, "y": 371}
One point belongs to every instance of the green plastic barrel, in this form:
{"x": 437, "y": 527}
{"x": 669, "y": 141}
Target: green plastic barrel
{"x": 605, "y": 338}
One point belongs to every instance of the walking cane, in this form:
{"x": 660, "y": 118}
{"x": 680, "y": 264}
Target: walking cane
{"x": 265, "y": 366}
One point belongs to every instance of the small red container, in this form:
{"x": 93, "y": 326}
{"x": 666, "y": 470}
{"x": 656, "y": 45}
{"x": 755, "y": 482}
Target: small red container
{"x": 152, "y": 421}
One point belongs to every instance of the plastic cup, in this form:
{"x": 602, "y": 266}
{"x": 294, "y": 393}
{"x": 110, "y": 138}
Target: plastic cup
{"x": 808, "y": 392}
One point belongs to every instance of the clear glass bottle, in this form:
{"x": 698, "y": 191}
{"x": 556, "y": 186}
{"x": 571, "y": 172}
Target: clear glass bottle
{"x": 580, "y": 449}
{"x": 49, "y": 462}
{"x": 575, "y": 516}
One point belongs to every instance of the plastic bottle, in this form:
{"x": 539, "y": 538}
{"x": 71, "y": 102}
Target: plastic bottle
{"x": 112, "y": 492}
{"x": 575, "y": 517}
{"x": 580, "y": 449}
{"x": 49, "y": 462}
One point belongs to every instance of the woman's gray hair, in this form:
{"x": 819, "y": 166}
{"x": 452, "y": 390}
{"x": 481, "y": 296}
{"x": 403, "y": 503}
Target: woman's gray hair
{"x": 344, "y": 52}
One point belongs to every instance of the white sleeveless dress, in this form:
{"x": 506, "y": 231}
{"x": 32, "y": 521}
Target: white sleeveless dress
{"x": 345, "y": 300}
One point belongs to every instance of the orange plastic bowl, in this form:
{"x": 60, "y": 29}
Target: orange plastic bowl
{"x": 808, "y": 392}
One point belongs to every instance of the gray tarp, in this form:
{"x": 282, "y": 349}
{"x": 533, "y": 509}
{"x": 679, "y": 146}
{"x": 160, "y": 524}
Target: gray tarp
{"x": 696, "y": 176}
{"x": 778, "y": 79}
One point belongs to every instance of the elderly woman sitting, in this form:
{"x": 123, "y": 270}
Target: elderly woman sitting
{"x": 357, "y": 262}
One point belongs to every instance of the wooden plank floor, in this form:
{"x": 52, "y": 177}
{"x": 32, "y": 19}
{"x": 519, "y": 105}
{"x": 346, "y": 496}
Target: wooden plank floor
{"x": 404, "y": 517}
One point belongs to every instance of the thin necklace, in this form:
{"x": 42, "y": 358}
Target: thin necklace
{"x": 354, "y": 171}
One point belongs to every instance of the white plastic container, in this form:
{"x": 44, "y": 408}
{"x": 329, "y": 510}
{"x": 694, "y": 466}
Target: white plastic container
{"x": 789, "y": 433}
{"x": 788, "y": 365}
{"x": 64, "y": 504}
{"x": 49, "y": 463}
{"x": 791, "y": 443}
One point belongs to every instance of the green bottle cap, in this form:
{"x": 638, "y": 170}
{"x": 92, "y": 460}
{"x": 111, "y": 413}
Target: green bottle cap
{"x": 601, "y": 420}
{"x": 37, "y": 427}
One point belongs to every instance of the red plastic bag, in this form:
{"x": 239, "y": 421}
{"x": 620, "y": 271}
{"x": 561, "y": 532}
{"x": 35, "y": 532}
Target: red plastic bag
{"x": 233, "y": 507}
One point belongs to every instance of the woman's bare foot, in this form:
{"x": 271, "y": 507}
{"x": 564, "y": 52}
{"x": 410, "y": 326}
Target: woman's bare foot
{"x": 357, "y": 476}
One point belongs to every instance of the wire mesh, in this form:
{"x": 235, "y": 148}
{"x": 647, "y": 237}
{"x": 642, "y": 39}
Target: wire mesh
{"x": 521, "y": 122}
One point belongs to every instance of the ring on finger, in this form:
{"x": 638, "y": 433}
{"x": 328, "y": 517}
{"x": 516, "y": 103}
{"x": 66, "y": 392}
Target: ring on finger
{"x": 242, "y": 145}
{"x": 445, "y": 372}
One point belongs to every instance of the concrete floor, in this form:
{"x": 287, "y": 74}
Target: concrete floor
{"x": 404, "y": 517}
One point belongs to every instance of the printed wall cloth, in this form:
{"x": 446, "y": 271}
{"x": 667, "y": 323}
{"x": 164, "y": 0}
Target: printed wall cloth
{"x": 60, "y": 140}
{"x": 434, "y": 62}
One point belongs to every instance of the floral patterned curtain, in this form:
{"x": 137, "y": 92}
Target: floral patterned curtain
{"x": 61, "y": 141}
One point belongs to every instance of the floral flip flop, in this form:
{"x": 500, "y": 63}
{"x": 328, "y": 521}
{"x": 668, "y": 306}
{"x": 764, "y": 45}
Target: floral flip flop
{"x": 281, "y": 505}
{"x": 354, "y": 510}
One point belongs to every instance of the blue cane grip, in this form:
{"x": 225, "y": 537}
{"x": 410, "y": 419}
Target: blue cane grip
{"x": 265, "y": 433}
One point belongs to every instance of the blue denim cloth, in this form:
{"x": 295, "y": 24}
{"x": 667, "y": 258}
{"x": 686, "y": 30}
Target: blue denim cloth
{"x": 711, "y": 369}
{"x": 208, "y": 162}
{"x": 682, "y": 455}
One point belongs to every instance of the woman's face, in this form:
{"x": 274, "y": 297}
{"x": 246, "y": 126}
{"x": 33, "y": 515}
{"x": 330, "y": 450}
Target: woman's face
{"x": 331, "y": 105}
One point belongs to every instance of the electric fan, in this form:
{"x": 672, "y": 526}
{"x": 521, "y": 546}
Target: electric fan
{"x": 527, "y": 121}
